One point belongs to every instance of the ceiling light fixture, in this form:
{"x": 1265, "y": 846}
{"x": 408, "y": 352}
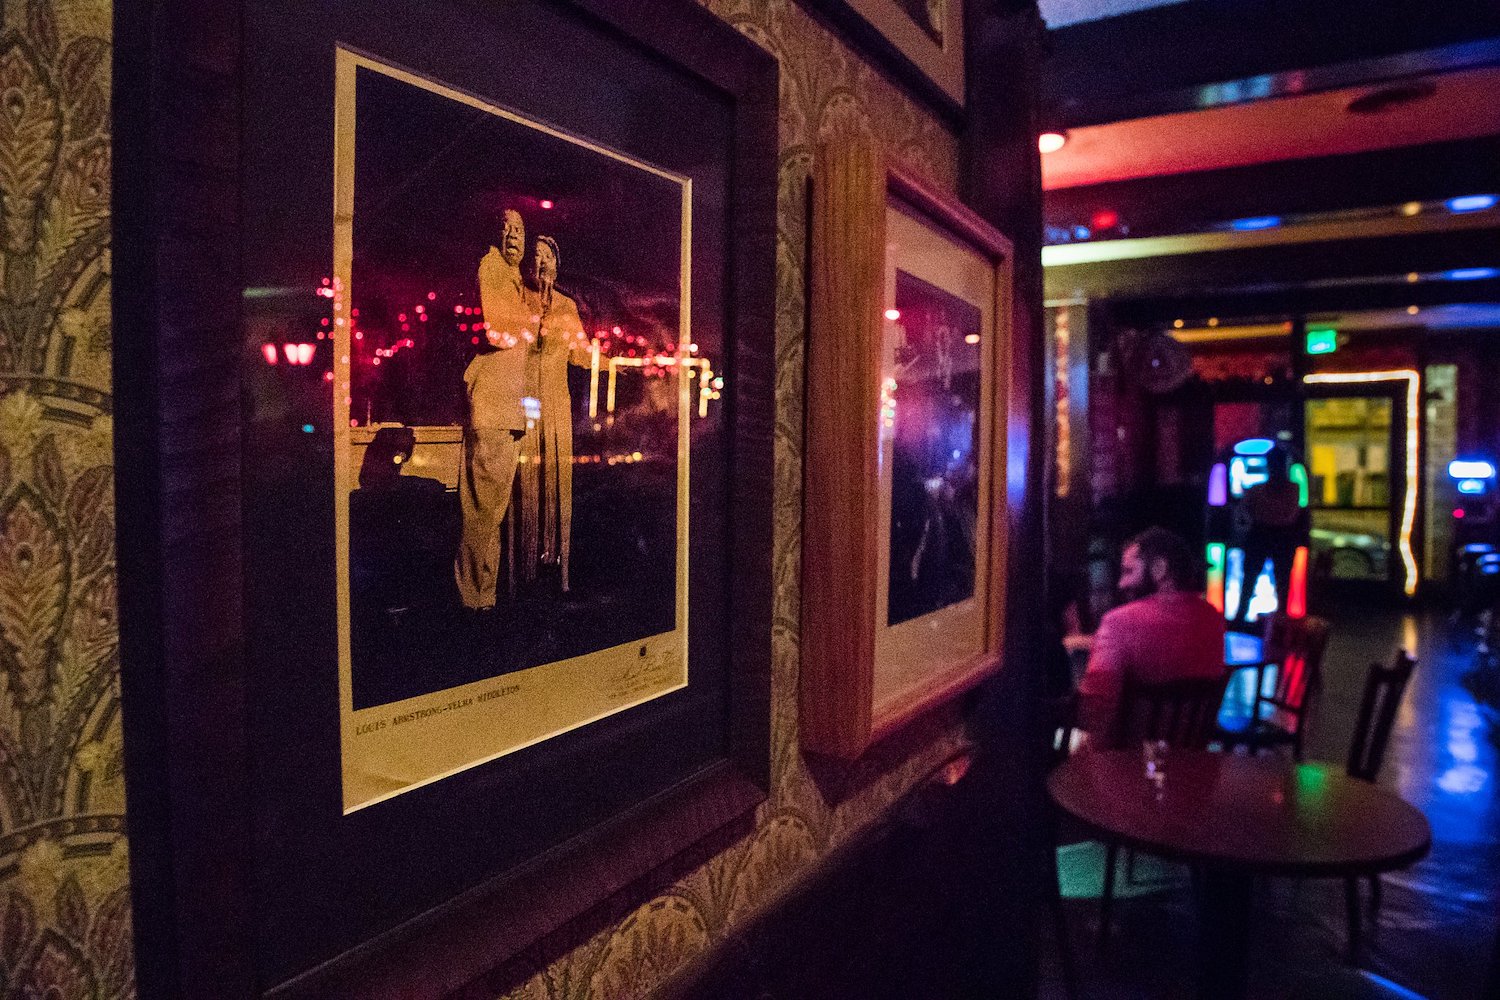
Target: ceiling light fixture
{"x": 1051, "y": 142}
{"x": 1471, "y": 203}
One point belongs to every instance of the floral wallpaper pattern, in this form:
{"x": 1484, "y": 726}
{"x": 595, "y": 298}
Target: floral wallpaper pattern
{"x": 826, "y": 90}
{"x": 64, "y": 893}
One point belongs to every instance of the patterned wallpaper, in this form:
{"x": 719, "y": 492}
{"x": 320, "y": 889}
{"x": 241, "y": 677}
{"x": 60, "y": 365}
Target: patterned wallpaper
{"x": 826, "y": 90}
{"x": 64, "y": 896}
{"x": 64, "y": 901}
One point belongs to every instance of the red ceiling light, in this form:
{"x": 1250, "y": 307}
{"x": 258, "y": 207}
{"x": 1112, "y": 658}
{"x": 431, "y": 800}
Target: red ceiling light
{"x": 1051, "y": 142}
{"x": 1106, "y": 219}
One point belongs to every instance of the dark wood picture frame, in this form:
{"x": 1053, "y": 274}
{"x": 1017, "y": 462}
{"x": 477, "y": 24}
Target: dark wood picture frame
{"x": 852, "y": 188}
{"x": 204, "y": 812}
{"x": 929, "y": 68}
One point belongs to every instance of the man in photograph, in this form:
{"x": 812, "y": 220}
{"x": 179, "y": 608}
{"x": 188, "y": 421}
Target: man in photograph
{"x": 497, "y": 381}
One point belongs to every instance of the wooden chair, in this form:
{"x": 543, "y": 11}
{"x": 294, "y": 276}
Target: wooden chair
{"x": 1294, "y": 647}
{"x": 1384, "y": 687}
{"x": 1183, "y": 714}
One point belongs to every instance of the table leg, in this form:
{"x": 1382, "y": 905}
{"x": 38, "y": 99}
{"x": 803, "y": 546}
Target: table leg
{"x": 1224, "y": 914}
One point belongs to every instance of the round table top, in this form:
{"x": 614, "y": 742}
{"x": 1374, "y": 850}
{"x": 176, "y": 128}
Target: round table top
{"x": 1262, "y": 814}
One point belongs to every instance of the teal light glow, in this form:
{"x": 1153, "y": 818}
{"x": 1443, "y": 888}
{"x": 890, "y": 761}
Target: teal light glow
{"x": 1298, "y": 474}
{"x": 1322, "y": 341}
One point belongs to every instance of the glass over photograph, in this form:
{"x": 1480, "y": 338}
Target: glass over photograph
{"x": 935, "y": 471}
{"x": 513, "y": 384}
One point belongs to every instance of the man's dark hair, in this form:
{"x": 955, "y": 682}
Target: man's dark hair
{"x": 1183, "y": 566}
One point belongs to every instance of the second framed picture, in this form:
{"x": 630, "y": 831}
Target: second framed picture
{"x": 904, "y": 545}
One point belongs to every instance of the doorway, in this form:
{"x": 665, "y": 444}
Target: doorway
{"x": 1354, "y": 445}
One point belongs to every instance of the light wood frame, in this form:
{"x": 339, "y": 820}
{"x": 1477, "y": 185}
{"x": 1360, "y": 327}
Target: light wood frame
{"x": 852, "y": 187}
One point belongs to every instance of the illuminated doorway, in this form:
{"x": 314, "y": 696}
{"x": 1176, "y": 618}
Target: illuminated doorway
{"x": 1355, "y": 448}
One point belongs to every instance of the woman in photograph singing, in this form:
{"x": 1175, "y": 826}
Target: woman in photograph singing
{"x": 562, "y": 339}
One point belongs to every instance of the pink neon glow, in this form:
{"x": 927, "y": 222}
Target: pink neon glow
{"x": 893, "y": 314}
{"x": 304, "y": 353}
{"x": 546, "y": 202}
{"x": 269, "y": 350}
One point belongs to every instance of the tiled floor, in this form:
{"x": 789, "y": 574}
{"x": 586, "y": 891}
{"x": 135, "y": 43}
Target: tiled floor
{"x": 1437, "y": 923}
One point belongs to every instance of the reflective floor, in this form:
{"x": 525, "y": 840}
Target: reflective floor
{"x": 1436, "y": 926}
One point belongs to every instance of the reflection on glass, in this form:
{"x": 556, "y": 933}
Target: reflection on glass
{"x": 933, "y": 412}
{"x": 503, "y": 279}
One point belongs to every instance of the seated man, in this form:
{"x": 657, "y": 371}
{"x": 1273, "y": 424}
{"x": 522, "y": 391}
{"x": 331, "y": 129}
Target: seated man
{"x": 1166, "y": 631}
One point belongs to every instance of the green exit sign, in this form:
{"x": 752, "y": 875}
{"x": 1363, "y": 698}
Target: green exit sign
{"x": 1322, "y": 341}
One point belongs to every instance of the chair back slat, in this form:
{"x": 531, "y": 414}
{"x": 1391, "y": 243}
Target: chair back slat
{"x": 1181, "y": 712}
{"x": 1296, "y": 646}
{"x": 1384, "y": 687}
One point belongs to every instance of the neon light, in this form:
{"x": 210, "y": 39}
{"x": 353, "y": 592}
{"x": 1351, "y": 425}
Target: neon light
{"x": 1296, "y": 593}
{"x": 1254, "y": 446}
{"x": 1471, "y": 203}
{"x": 269, "y": 350}
{"x": 1472, "y": 487}
{"x": 1469, "y": 469}
{"x": 1243, "y": 474}
{"x": 1218, "y": 485}
{"x": 1216, "y": 572}
{"x": 1234, "y": 563}
{"x": 1298, "y": 474}
{"x": 1322, "y": 341}
{"x": 1413, "y": 381}
{"x": 1471, "y": 273}
{"x": 1263, "y": 595}
{"x": 1256, "y": 223}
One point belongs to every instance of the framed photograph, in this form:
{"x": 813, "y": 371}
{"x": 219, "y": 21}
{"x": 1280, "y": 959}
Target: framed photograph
{"x": 904, "y": 537}
{"x": 457, "y": 452}
{"x": 920, "y": 41}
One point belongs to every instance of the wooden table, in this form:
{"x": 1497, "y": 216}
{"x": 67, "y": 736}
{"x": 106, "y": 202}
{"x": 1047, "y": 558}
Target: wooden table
{"x": 1240, "y": 817}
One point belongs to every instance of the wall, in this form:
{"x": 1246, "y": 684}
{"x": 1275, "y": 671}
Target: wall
{"x": 64, "y": 900}
{"x": 64, "y": 906}
{"x": 826, "y": 90}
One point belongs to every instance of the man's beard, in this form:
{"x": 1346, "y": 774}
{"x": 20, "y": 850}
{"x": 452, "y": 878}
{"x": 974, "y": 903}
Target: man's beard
{"x": 1144, "y": 589}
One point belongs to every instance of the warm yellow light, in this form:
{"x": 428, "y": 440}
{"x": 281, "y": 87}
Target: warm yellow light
{"x": 1412, "y": 277}
{"x": 1051, "y": 142}
{"x": 1213, "y": 321}
{"x": 1412, "y": 310}
{"x": 1177, "y": 323}
{"x": 1413, "y": 444}
{"x": 1411, "y": 208}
